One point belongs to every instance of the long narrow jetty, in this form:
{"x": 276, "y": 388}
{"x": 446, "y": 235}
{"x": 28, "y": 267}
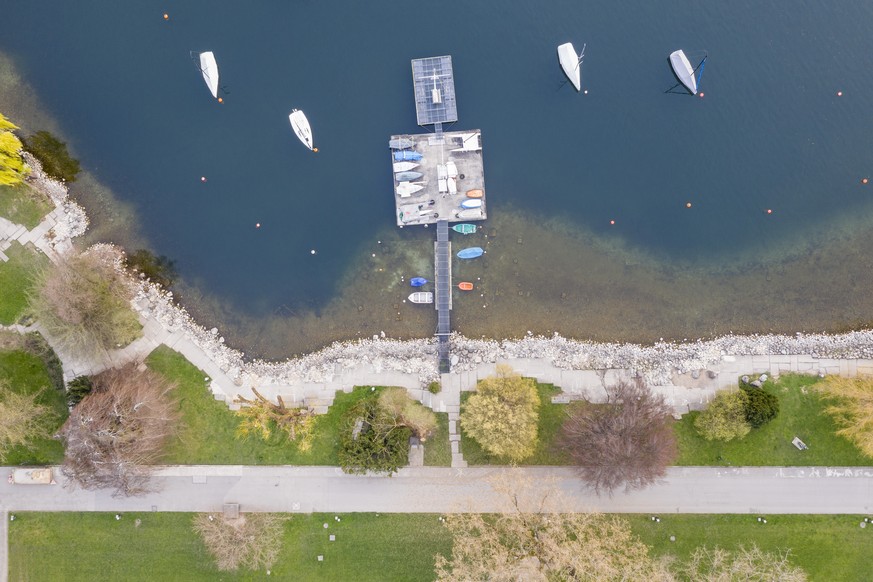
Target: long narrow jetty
{"x": 443, "y": 299}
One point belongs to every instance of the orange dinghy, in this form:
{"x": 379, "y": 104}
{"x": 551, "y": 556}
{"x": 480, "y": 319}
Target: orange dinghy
{"x": 465, "y": 286}
{"x": 474, "y": 193}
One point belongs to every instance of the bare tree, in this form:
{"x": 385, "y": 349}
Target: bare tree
{"x": 22, "y": 419}
{"x": 720, "y": 565}
{"x": 116, "y": 432}
{"x": 252, "y": 540}
{"x": 530, "y": 540}
{"x": 84, "y": 302}
{"x": 627, "y": 441}
{"x": 260, "y": 416}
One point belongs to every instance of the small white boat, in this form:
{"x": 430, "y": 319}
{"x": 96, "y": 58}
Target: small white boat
{"x": 471, "y": 203}
{"x": 300, "y": 125}
{"x": 401, "y": 143}
{"x": 404, "y": 166}
{"x": 209, "y": 68}
{"x": 470, "y": 214}
{"x": 451, "y": 169}
{"x": 406, "y": 189}
{"x": 571, "y": 63}
{"x": 421, "y": 297}
{"x": 451, "y": 185}
{"x": 684, "y": 71}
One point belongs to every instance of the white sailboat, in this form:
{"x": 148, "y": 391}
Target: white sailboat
{"x": 300, "y": 125}
{"x": 407, "y": 189}
{"x": 404, "y": 166}
{"x": 209, "y": 68}
{"x": 684, "y": 71}
{"x": 571, "y": 64}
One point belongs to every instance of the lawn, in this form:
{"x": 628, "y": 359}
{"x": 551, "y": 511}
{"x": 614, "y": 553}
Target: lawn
{"x": 207, "y": 433}
{"x": 16, "y": 279}
{"x": 551, "y": 418}
{"x": 828, "y": 547}
{"x": 26, "y": 373}
{"x": 23, "y": 205}
{"x": 368, "y": 546}
{"x": 438, "y": 449}
{"x": 800, "y": 414}
{"x": 94, "y": 546}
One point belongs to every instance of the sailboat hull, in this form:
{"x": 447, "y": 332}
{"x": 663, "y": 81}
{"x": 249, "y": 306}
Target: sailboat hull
{"x": 683, "y": 70}
{"x": 570, "y": 63}
{"x": 300, "y": 125}
{"x": 209, "y": 68}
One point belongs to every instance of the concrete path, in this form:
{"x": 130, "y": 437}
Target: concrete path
{"x": 4, "y": 545}
{"x": 762, "y": 490}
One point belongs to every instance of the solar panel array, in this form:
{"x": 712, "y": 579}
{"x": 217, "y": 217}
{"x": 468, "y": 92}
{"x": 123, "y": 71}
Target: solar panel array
{"x": 429, "y": 74}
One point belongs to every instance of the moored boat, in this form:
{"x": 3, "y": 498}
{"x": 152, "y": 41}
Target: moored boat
{"x": 683, "y": 70}
{"x": 417, "y": 281}
{"x": 571, "y": 63}
{"x": 421, "y": 297}
{"x": 408, "y": 176}
{"x": 476, "y": 193}
{"x": 471, "y": 203}
{"x": 465, "y": 286}
{"x": 465, "y": 228}
{"x": 406, "y": 189}
{"x": 407, "y": 156}
{"x": 209, "y": 68}
{"x": 471, "y": 253}
{"x": 404, "y": 166}
{"x": 400, "y": 143}
{"x": 470, "y": 214}
{"x": 300, "y": 125}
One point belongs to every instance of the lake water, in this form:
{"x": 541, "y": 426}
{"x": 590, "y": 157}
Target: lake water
{"x": 770, "y": 133}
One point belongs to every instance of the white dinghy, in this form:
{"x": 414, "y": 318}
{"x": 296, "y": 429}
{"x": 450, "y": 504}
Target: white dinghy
{"x": 571, "y": 63}
{"x": 684, "y": 71}
{"x": 300, "y": 125}
{"x": 209, "y": 68}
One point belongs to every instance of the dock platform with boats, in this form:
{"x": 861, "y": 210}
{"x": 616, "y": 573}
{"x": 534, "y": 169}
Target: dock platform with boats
{"x": 438, "y": 178}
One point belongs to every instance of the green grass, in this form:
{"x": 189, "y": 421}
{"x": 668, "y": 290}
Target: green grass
{"x": 551, "y": 418}
{"x": 368, "y": 546}
{"x": 16, "y": 280}
{"x": 26, "y": 373}
{"x": 800, "y": 414}
{"x": 94, "y": 546}
{"x": 207, "y": 432}
{"x": 828, "y": 547}
{"x": 23, "y": 205}
{"x": 438, "y": 449}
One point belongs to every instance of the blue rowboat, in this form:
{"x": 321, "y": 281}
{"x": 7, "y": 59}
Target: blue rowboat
{"x": 407, "y": 156}
{"x": 465, "y": 228}
{"x": 471, "y": 203}
{"x": 417, "y": 281}
{"x": 470, "y": 253}
{"x": 408, "y": 176}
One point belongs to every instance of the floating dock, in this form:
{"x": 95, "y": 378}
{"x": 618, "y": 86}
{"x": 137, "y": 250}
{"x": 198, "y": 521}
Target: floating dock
{"x": 438, "y": 178}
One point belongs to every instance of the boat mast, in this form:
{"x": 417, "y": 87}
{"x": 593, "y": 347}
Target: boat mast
{"x": 581, "y": 55}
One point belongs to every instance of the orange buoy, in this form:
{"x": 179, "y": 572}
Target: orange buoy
{"x": 166, "y": 16}
{"x": 687, "y": 205}
{"x": 202, "y": 178}
{"x": 864, "y": 180}
{"x": 221, "y": 100}
{"x": 611, "y": 222}
{"x": 315, "y": 150}
{"x": 465, "y": 286}
{"x": 769, "y": 211}
{"x": 257, "y": 225}
{"x": 839, "y": 93}
{"x": 701, "y": 95}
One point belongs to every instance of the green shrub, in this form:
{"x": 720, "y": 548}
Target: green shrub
{"x": 762, "y": 406}
{"x": 77, "y": 389}
{"x": 371, "y": 441}
{"x": 725, "y": 417}
{"x": 404, "y": 411}
{"x": 434, "y": 387}
{"x": 53, "y": 154}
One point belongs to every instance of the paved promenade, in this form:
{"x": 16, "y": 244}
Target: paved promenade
{"x": 761, "y": 490}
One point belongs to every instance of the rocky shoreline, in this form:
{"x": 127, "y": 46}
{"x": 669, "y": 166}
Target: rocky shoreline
{"x": 655, "y": 363}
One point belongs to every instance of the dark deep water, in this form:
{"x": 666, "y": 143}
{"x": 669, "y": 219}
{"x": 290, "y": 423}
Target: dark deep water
{"x": 770, "y": 132}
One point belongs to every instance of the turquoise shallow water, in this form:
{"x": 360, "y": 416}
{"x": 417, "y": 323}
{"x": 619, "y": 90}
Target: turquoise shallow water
{"x": 770, "y": 132}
